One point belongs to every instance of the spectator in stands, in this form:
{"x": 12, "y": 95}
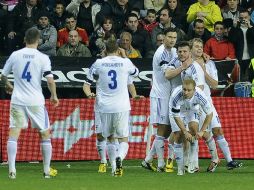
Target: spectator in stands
{"x": 206, "y": 10}
{"x": 23, "y": 16}
{"x": 159, "y": 39}
{"x": 149, "y": 23}
{"x": 97, "y": 39}
{"x": 48, "y": 34}
{"x": 178, "y": 13}
{"x": 125, "y": 43}
{"x": 85, "y": 11}
{"x": 3, "y": 19}
{"x": 59, "y": 15}
{"x": 117, "y": 10}
{"x": 232, "y": 10}
{"x": 140, "y": 38}
{"x": 49, "y": 4}
{"x": 165, "y": 22}
{"x": 218, "y": 47}
{"x": 199, "y": 31}
{"x": 156, "y": 5}
{"x": 71, "y": 24}
{"x": 74, "y": 48}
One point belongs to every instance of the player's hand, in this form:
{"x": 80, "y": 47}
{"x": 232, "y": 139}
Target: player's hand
{"x": 121, "y": 52}
{"x": 137, "y": 97}
{"x": 200, "y": 134}
{"x": 92, "y": 95}
{"x": 8, "y": 88}
{"x": 11, "y": 35}
{"x": 188, "y": 136}
{"x": 54, "y": 101}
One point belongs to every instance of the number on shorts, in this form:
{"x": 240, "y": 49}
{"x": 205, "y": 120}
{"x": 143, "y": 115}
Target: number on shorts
{"x": 113, "y": 75}
{"x": 26, "y": 74}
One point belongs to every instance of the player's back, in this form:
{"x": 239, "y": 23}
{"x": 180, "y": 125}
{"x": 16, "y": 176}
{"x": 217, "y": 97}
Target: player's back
{"x": 28, "y": 66}
{"x": 161, "y": 87}
{"x": 111, "y": 88}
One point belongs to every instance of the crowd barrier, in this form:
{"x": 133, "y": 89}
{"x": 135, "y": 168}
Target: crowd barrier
{"x": 73, "y": 136}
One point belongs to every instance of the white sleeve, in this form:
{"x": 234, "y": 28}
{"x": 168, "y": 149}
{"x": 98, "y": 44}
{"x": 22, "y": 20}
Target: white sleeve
{"x": 199, "y": 76}
{"x": 212, "y": 70}
{"x": 133, "y": 70}
{"x": 93, "y": 71}
{"x": 8, "y": 65}
{"x": 46, "y": 70}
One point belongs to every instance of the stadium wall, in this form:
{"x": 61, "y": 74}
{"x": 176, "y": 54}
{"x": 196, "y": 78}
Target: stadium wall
{"x": 73, "y": 136}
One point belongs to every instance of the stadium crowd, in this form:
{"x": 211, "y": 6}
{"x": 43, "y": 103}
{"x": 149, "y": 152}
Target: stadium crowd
{"x": 138, "y": 24}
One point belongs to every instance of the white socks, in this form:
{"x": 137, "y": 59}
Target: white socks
{"x": 46, "y": 154}
{"x": 171, "y": 154}
{"x": 111, "y": 149}
{"x": 159, "y": 147}
{"x": 123, "y": 150}
{"x": 152, "y": 152}
{"x": 101, "y": 148}
{"x": 193, "y": 152}
{"x": 179, "y": 155}
{"x": 223, "y": 144}
{"x": 12, "y": 151}
{"x": 212, "y": 148}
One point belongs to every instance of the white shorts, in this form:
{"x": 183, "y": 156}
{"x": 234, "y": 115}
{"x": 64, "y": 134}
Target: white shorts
{"x": 38, "y": 115}
{"x": 191, "y": 116}
{"x": 159, "y": 111}
{"x": 116, "y": 124}
{"x": 215, "y": 120}
{"x": 97, "y": 122}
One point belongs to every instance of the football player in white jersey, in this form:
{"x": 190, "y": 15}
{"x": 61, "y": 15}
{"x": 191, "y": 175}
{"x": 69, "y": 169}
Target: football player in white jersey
{"x": 100, "y": 140}
{"x": 211, "y": 80}
{"x": 184, "y": 106}
{"x": 112, "y": 98}
{"x": 166, "y": 76}
{"x": 27, "y": 101}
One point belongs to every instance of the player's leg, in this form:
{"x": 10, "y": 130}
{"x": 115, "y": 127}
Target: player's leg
{"x": 222, "y": 142}
{"x": 101, "y": 143}
{"x": 178, "y": 146}
{"x": 171, "y": 156}
{"x": 121, "y": 124}
{"x": 108, "y": 132}
{"x": 18, "y": 120}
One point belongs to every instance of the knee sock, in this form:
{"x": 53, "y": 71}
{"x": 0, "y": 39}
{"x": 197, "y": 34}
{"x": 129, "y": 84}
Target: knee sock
{"x": 152, "y": 152}
{"x": 159, "y": 147}
{"x": 212, "y": 148}
{"x": 46, "y": 148}
{"x": 123, "y": 150}
{"x": 171, "y": 154}
{"x": 12, "y": 151}
{"x": 223, "y": 144}
{"x": 111, "y": 148}
{"x": 179, "y": 155}
{"x": 101, "y": 148}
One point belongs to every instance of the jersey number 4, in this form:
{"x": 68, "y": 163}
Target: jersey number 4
{"x": 113, "y": 75}
{"x": 26, "y": 74}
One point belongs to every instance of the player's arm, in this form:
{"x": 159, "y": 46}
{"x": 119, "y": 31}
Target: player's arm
{"x": 171, "y": 73}
{"x": 207, "y": 121}
{"x": 210, "y": 81}
{"x": 52, "y": 88}
{"x": 180, "y": 124}
{"x": 8, "y": 86}
{"x": 133, "y": 92}
{"x": 87, "y": 90}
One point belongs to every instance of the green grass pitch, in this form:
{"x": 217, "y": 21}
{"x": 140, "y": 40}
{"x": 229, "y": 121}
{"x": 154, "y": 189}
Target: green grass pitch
{"x": 83, "y": 176}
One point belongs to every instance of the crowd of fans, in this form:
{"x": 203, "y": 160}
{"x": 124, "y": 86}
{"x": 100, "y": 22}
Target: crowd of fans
{"x": 80, "y": 27}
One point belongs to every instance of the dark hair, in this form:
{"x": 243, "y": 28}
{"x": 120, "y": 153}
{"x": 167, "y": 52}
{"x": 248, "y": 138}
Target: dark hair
{"x": 170, "y": 14}
{"x": 105, "y": 19}
{"x": 244, "y": 11}
{"x": 182, "y": 44}
{"x": 111, "y": 44}
{"x": 218, "y": 23}
{"x": 69, "y": 15}
{"x": 152, "y": 11}
{"x": 32, "y": 35}
{"x": 169, "y": 30}
{"x": 198, "y": 20}
{"x": 131, "y": 15}
{"x": 136, "y": 10}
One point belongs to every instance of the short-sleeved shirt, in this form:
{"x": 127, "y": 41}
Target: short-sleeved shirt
{"x": 178, "y": 105}
{"x": 28, "y": 66}
{"x": 195, "y": 72}
{"x": 111, "y": 87}
{"x": 161, "y": 87}
{"x": 212, "y": 72}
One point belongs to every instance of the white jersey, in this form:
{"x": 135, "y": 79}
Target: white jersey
{"x": 111, "y": 88}
{"x": 195, "y": 72}
{"x": 178, "y": 105}
{"x": 212, "y": 72}
{"x": 28, "y": 66}
{"x": 161, "y": 87}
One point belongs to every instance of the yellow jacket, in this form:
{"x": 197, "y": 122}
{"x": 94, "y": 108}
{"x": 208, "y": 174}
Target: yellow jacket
{"x": 213, "y": 14}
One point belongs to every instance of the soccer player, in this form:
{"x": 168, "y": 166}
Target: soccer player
{"x": 184, "y": 106}
{"x": 100, "y": 140}
{"x": 27, "y": 102}
{"x": 111, "y": 73}
{"x": 166, "y": 76}
{"x": 211, "y": 80}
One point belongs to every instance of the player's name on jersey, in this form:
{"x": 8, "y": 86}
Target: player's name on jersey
{"x": 112, "y": 64}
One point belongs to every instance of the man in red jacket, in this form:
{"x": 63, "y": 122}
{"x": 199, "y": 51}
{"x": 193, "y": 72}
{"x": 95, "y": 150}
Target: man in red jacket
{"x": 70, "y": 24}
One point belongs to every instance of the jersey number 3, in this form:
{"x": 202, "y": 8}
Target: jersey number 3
{"x": 113, "y": 75}
{"x": 26, "y": 74}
